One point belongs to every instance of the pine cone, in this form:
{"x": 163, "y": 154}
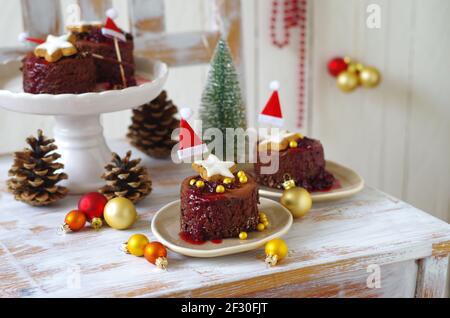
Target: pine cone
{"x": 33, "y": 173}
{"x": 152, "y": 127}
{"x": 126, "y": 178}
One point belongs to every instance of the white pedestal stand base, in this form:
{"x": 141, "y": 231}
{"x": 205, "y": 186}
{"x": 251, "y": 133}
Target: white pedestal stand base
{"x": 83, "y": 150}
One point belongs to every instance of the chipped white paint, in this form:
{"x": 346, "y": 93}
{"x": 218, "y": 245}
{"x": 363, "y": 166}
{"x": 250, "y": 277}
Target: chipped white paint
{"x": 432, "y": 276}
{"x": 331, "y": 246}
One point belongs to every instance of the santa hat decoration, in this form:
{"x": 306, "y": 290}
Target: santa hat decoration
{"x": 25, "y": 37}
{"x": 111, "y": 29}
{"x": 190, "y": 143}
{"x": 272, "y": 114}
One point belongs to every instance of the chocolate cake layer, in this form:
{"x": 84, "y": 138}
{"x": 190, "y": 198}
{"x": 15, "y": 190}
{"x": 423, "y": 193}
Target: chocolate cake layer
{"x": 70, "y": 75}
{"x": 206, "y": 215}
{"x": 304, "y": 164}
{"x": 96, "y": 42}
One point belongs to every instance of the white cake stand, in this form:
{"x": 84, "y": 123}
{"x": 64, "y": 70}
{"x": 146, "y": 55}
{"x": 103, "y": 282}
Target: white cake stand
{"x": 78, "y": 132}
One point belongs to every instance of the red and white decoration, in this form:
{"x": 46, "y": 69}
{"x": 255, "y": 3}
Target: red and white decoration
{"x": 294, "y": 15}
{"x": 111, "y": 29}
{"x": 271, "y": 113}
{"x": 190, "y": 143}
{"x": 25, "y": 37}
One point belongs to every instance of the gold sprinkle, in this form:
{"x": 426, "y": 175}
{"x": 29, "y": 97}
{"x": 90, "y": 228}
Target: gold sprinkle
{"x": 199, "y": 184}
{"x": 220, "y": 189}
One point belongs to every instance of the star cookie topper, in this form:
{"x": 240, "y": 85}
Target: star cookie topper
{"x": 213, "y": 169}
{"x": 56, "y": 47}
{"x": 278, "y": 140}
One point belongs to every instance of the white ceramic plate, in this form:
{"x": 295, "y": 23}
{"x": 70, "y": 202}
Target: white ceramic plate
{"x": 13, "y": 98}
{"x": 350, "y": 184}
{"x": 166, "y": 228}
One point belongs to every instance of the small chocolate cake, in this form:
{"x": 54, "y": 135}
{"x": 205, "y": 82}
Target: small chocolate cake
{"x": 70, "y": 75}
{"x": 305, "y": 164}
{"x": 208, "y": 215}
{"x": 95, "y": 42}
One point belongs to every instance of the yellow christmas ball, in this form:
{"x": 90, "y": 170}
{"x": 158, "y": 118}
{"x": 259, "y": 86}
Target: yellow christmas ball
{"x": 136, "y": 244}
{"x": 120, "y": 213}
{"x": 297, "y": 200}
{"x": 276, "y": 250}
{"x": 369, "y": 77}
{"x": 347, "y": 81}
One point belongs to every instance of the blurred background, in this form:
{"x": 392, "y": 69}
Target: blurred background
{"x": 396, "y": 135}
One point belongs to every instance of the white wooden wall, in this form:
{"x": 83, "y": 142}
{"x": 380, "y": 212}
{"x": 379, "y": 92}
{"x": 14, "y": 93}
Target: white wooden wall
{"x": 396, "y": 136}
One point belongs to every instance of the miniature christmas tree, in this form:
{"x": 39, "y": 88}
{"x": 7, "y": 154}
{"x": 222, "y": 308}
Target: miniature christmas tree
{"x": 222, "y": 106}
{"x": 34, "y": 173}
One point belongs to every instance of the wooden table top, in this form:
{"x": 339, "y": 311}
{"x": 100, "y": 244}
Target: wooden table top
{"x": 370, "y": 228}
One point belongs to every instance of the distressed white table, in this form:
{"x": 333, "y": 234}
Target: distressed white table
{"x": 371, "y": 245}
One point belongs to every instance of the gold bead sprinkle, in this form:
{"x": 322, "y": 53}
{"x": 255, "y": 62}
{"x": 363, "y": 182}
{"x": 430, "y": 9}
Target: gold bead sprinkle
{"x": 241, "y": 174}
{"x": 243, "y": 236}
{"x": 227, "y": 181}
{"x": 262, "y": 215}
{"x": 243, "y": 179}
{"x": 266, "y": 223}
{"x": 192, "y": 182}
{"x": 293, "y": 144}
{"x": 260, "y": 227}
{"x": 199, "y": 184}
{"x": 220, "y": 189}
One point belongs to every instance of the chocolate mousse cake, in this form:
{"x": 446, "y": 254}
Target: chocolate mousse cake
{"x": 91, "y": 40}
{"x": 218, "y": 203}
{"x": 300, "y": 159}
{"x": 56, "y": 67}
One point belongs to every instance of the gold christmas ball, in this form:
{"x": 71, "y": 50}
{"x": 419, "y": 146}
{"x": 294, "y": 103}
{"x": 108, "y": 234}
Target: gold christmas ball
{"x": 276, "y": 250}
{"x": 347, "y": 81}
{"x": 120, "y": 213}
{"x": 277, "y": 247}
{"x": 136, "y": 244}
{"x": 297, "y": 200}
{"x": 369, "y": 77}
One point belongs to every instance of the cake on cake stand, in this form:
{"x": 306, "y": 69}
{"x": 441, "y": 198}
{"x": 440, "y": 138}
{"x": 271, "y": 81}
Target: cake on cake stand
{"x": 78, "y": 131}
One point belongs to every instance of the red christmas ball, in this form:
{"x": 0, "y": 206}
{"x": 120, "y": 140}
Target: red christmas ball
{"x": 336, "y": 66}
{"x": 92, "y": 205}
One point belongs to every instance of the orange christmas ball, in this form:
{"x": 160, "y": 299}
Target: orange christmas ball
{"x": 75, "y": 220}
{"x": 156, "y": 253}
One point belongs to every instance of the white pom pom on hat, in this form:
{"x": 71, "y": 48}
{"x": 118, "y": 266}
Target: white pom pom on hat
{"x": 112, "y": 13}
{"x": 274, "y": 85}
{"x": 186, "y": 113}
{"x": 23, "y": 37}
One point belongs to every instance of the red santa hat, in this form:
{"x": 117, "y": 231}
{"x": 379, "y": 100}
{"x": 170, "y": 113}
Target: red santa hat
{"x": 111, "y": 29}
{"x": 190, "y": 143}
{"x": 25, "y": 37}
{"x": 271, "y": 113}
